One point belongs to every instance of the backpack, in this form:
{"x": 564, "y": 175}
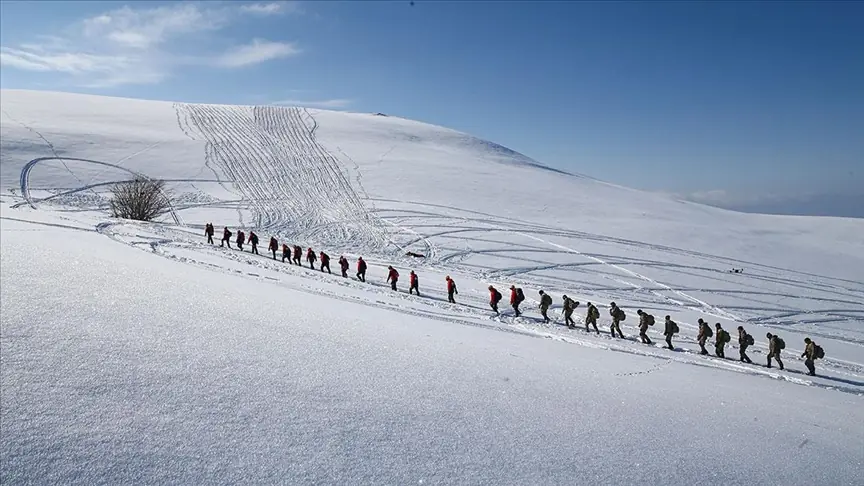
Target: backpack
{"x": 594, "y": 312}
{"x": 749, "y": 340}
{"x": 621, "y": 315}
{"x": 724, "y": 336}
{"x": 708, "y": 331}
{"x": 675, "y": 329}
{"x": 650, "y": 320}
{"x": 781, "y": 344}
{"x": 520, "y": 296}
{"x": 497, "y": 296}
{"x": 820, "y": 353}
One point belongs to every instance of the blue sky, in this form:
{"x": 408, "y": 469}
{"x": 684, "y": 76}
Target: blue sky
{"x": 733, "y": 103}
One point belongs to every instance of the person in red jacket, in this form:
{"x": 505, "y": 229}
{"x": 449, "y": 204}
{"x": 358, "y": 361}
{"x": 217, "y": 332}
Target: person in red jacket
{"x": 298, "y": 252}
{"x": 311, "y": 258}
{"x": 241, "y": 238}
{"x": 325, "y": 262}
{"x": 451, "y": 289}
{"x": 274, "y": 246}
{"x": 494, "y": 298}
{"x": 343, "y": 264}
{"x": 361, "y": 269}
{"x": 514, "y": 300}
{"x": 392, "y": 277}
{"x": 286, "y": 253}
{"x": 413, "y": 284}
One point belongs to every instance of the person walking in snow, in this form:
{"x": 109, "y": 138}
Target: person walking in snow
{"x": 361, "y": 269}
{"x": 516, "y": 298}
{"x": 209, "y": 231}
{"x": 545, "y": 303}
{"x": 241, "y": 238}
{"x": 591, "y": 317}
{"x": 811, "y": 352}
{"x": 298, "y": 253}
{"x": 775, "y": 345}
{"x": 413, "y": 284}
{"x": 570, "y": 305}
{"x": 704, "y": 333}
{"x": 744, "y": 341}
{"x": 494, "y": 298}
{"x": 645, "y": 320}
{"x": 618, "y": 315}
{"x": 253, "y": 239}
{"x": 226, "y": 237}
{"x": 286, "y": 253}
{"x": 721, "y": 337}
{"x": 670, "y": 329}
{"x": 343, "y": 265}
{"x": 325, "y": 262}
{"x": 273, "y": 246}
{"x": 451, "y": 290}
{"x": 311, "y": 258}
{"x": 392, "y": 277}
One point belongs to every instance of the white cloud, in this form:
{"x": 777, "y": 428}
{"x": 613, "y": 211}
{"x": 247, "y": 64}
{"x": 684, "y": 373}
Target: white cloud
{"x": 271, "y": 8}
{"x": 147, "y": 44}
{"x": 331, "y": 104}
{"x": 256, "y": 52}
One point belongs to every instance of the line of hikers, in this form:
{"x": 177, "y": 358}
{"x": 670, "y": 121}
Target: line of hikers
{"x": 812, "y": 351}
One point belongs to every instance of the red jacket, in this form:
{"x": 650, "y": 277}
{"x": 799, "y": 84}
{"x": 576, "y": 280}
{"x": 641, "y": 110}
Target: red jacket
{"x": 343, "y": 262}
{"x": 274, "y": 245}
{"x": 492, "y": 295}
{"x": 393, "y": 275}
{"x": 361, "y": 265}
{"x": 325, "y": 258}
{"x": 451, "y": 286}
{"x": 413, "y": 279}
{"x": 514, "y": 296}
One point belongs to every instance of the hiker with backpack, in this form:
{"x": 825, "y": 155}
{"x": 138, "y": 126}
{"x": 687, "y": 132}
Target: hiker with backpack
{"x": 241, "y": 238}
{"x": 392, "y": 277}
{"x": 253, "y": 240}
{"x": 516, "y": 298}
{"x": 591, "y": 317}
{"x": 311, "y": 257}
{"x": 812, "y": 352}
{"x": 274, "y": 246}
{"x": 343, "y": 265}
{"x": 545, "y": 303}
{"x": 670, "y": 329}
{"x": 451, "y": 289}
{"x": 645, "y": 320}
{"x": 325, "y": 262}
{"x": 413, "y": 284}
{"x": 361, "y": 269}
{"x": 298, "y": 252}
{"x": 494, "y": 298}
{"x": 208, "y": 232}
{"x": 226, "y": 237}
{"x": 286, "y": 253}
{"x": 704, "y": 333}
{"x": 570, "y": 305}
{"x": 775, "y": 345}
{"x": 722, "y": 337}
{"x": 744, "y": 341}
{"x": 618, "y": 315}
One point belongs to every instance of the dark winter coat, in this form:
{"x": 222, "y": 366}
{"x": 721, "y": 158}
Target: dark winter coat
{"x": 669, "y": 328}
{"x": 343, "y": 263}
{"x": 253, "y": 238}
{"x": 208, "y": 230}
{"x": 361, "y": 265}
{"x": 325, "y": 259}
{"x": 545, "y": 301}
{"x": 310, "y": 255}
{"x": 274, "y": 245}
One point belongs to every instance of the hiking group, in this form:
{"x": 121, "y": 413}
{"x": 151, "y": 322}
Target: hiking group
{"x": 812, "y": 351}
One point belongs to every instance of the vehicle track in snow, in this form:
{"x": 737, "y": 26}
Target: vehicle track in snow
{"x": 293, "y": 185}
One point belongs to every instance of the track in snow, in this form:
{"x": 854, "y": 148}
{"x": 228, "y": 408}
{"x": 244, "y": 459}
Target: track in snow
{"x": 294, "y": 186}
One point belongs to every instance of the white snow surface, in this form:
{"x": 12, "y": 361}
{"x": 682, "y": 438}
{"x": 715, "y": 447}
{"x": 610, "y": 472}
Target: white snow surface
{"x": 138, "y": 353}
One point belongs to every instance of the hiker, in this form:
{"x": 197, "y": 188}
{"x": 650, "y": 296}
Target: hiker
{"x": 241, "y": 238}
{"x": 618, "y": 315}
{"x": 392, "y": 277}
{"x": 311, "y": 257}
{"x": 361, "y": 269}
{"x": 811, "y": 351}
{"x": 705, "y": 332}
{"x": 325, "y": 262}
{"x": 545, "y": 302}
{"x": 343, "y": 265}
{"x": 645, "y": 320}
{"x": 253, "y": 239}
{"x": 775, "y": 345}
{"x": 226, "y": 237}
{"x": 494, "y": 298}
{"x": 570, "y": 305}
{"x": 451, "y": 289}
{"x": 286, "y": 253}
{"x": 298, "y": 252}
{"x": 274, "y": 246}
{"x": 208, "y": 231}
{"x": 670, "y": 330}
{"x": 591, "y": 317}
{"x": 744, "y": 341}
{"x": 721, "y": 338}
{"x": 516, "y": 298}
{"x": 412, "y": 283}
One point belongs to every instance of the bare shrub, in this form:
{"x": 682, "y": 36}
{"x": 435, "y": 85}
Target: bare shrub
{"x": 140, "y": 199}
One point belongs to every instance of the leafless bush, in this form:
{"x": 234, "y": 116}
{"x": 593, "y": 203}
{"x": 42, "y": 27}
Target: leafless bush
{"x": 140, "y": 199}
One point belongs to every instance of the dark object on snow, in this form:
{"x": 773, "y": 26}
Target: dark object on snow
{"x": 379, "y": 114}
{"x": 141, "y": 199}
{"x": 736, "y": 270}
{"x": 415, "y": 255}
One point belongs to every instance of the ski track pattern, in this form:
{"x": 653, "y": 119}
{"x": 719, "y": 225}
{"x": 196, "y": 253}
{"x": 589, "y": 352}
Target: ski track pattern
{"x": 293, "y": 185}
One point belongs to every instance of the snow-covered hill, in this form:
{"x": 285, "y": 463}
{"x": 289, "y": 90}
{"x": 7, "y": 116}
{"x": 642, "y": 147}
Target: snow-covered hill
{"x": 137, "y": 352}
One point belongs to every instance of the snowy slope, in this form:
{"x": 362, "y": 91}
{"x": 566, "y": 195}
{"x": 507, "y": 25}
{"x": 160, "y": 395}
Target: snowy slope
{"x": 178, "y": 351}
